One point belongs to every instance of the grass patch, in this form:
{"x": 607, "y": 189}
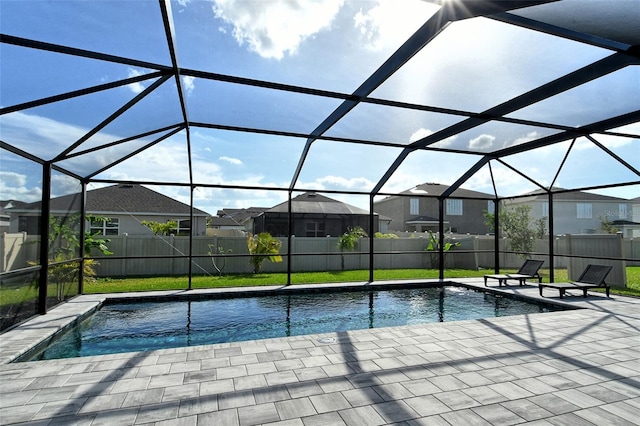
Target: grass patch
{"x": 19, "y": 294}
{"x": 121, "y": 285}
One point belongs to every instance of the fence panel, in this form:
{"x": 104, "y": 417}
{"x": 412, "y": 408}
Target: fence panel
{"x": 586, "y": 249}
{"x": 572, "y": 251}
{"x": 631, "y": 250}
{"x": 17, "y": 250}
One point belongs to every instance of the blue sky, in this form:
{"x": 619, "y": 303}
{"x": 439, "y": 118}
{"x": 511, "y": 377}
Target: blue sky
{"x": 331, "y": 45}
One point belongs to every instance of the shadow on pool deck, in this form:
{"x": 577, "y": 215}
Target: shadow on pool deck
{"x": 570, "y": 367}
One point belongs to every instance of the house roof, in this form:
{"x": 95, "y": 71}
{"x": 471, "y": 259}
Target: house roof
{"x": 126, "y": 198}
{"x": 621, "y": 222}
{"x": 436, "y": 189}
{"x": 10, "y": 204}
{"x": 310, "y": 202}
{"x": 576, "y": 196}
{"x": 216, "y": 221}
{"x": 240, "y": 216}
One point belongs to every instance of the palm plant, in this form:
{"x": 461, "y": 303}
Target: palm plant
{"x": 434, "y": 248}
{"x": 263, "y": 247}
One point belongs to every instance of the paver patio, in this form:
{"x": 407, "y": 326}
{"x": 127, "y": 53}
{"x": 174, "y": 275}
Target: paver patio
{"x": 579, "y": 367}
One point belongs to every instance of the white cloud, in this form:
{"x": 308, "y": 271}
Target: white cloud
{"x": 387, "y": 25}
{"x": 230, "y": 160}
{"x": 524, "y": 139}
{"x": 275, "y": 28}
{"x": 165, "y": 162}
{"x": 8, "y": 179}
{"x": 187, "y": 82}
{"x": 338, "y": 182}
{"x": 14, "y": 186}
{"x": 420, "y": 134}
{"x": 482, "y": 142}
{"x": 63, "y": 185}
{"x": 423, "y": 133}
{"x": 135, "y": 87}
{"x": 42, "y": 136}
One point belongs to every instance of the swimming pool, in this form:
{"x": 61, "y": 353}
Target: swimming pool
{"x": 143, "y": 326}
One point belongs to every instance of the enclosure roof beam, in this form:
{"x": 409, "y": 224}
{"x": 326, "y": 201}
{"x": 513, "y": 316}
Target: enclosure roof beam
{"x": 51, "y": 47}
{"x": 565, "y": 33}
{"x": 81, "y": 92}
{"x": 462, "y": 179}
{"x": 112, "y": 117}
{"x": 569, "y": 81}
{"x": 598, "y": 127}
{"x": 136, "y": 152}
{"x": 449, "y": 12}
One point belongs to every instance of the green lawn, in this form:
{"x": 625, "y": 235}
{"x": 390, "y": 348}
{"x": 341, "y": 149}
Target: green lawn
{"x": 244, "y": 280}
{"x": 22, "y": 293}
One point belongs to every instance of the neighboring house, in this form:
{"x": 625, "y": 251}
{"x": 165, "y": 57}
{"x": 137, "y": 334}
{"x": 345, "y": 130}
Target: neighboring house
{"x": 224, "y": 224}
{"x": 125, "y": 205}
{"x": 313, "y": 215}
{"x": 237, "y": 218}
{"x": 630, "y": 227}
{"x": 581, "y": 212}
{"x": 233, "y": 222}
{"x": 417, "y": 210}
{"x": 5, "y": 217}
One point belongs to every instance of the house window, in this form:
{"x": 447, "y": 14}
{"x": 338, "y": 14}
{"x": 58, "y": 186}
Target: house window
{"x": 111, "y": 226}
{"x": 454, "y": 207}
{"x": 315, "y": 229}
{"x": 491, "y": 207}
{"x": 584, "y": 211}
{"x": 622, "y": 211}
{"x": 414, "y": 206}
{"x": 184, "y": 228}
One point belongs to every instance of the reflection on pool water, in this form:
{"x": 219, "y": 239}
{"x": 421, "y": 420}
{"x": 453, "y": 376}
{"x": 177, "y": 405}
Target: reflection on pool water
{"x": 127, "y": 327}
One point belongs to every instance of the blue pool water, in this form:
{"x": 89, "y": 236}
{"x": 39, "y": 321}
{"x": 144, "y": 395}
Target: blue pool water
{"x": 127, "y": 327}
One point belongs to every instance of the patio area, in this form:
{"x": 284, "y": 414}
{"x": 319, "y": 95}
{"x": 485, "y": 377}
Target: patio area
{"x": 577, "y": 367}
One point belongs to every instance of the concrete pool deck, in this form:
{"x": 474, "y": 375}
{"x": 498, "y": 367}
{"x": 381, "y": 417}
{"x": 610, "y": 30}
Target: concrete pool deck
{"x": 579, "y": 367}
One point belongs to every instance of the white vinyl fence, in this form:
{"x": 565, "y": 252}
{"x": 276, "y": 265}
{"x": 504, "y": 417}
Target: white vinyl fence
{"x": 310, "y": 254}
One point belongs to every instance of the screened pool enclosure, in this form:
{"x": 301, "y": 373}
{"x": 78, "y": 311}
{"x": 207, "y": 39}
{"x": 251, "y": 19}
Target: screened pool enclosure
{"x": 228, "y": 105}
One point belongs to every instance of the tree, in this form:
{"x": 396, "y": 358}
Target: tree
{"x": 159, "y": 228}
{"x": 64, "y": 245}
{"x": 218, "y": 257}
{"x": 517, "y": 225}
{"x": 263, "y": 247}
{"x": 607, "y": 226}
{"x": 349, "y": 241}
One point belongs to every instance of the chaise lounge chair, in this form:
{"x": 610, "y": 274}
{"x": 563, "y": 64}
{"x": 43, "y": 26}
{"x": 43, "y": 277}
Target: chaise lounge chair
{"x": 592, "y": 277}
{"x": 528, "y": 270}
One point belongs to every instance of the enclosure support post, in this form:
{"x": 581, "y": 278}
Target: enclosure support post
{"x": 551, "y": 241}
{"x": 441, "y": 237}
{"x": 371, "y": 238}
{"x": 83, "y": 220}
{"x": 496, "y": 240}
{"x": 43, "y": 279}
{"x": 290, "y": 224}
{"x": 193, "y": 226}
